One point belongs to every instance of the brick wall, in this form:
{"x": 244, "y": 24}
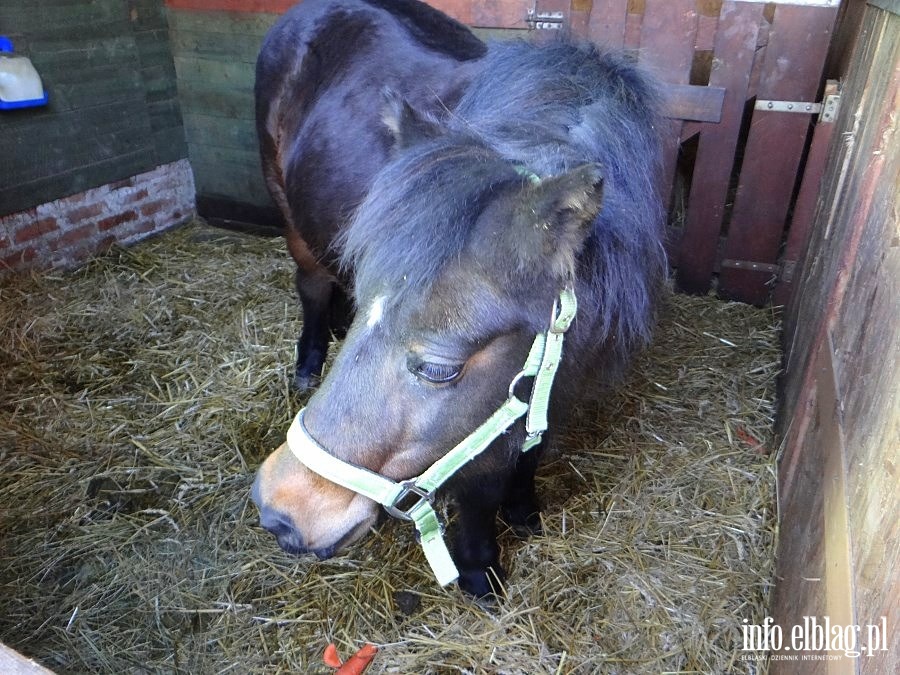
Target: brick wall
{"x": 66, "y": 232}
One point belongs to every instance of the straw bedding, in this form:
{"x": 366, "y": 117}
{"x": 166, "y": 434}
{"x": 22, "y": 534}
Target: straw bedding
{"x": 138, "y": 394}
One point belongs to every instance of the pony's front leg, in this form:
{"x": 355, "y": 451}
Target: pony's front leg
{"x": 476, "y": 552}
{"x": 316, "y": 290}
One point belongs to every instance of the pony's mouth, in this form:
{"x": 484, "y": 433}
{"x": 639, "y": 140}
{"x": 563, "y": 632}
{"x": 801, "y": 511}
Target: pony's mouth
{"x": 290, "y": 541}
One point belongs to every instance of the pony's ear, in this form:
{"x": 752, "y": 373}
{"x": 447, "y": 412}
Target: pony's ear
{"x": 407, "y": 125}
{"x": 554, "y": 218}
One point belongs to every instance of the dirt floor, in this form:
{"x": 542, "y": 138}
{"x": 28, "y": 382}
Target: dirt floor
{"x": 138, "y": 395}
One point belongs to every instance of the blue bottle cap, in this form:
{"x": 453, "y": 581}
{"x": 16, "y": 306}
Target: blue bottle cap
{"x": 6, "y": 44}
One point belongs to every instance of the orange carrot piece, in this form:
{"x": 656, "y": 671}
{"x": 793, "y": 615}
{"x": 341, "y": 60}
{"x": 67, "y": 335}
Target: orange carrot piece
{"x": 357, "y": 664}
{"x": 331, "y": 657}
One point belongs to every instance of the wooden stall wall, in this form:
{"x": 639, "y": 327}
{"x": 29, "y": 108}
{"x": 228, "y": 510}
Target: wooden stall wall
{"x": 215, "y": 58}
{"x": 105, "y": 161}
{"x": 113, "y": 109}
{"x": 839, "y": 474}
{"x": 732, "y": 171}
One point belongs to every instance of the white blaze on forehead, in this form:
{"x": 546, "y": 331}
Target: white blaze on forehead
{"x": 376, "y": 311}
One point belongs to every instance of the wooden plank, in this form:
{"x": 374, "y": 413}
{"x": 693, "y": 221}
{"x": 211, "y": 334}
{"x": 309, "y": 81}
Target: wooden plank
{"x": 846, "y": 312}
{"x": 153, "y": 48}
{"x": 67, "y": 154}
{"x": 252, "y": 6}
{"x": 146, "y": 15}
{"x": 226, "y": 133}
{"x": 215, "y": 71}
{"x": 491, "y": 14}
{"x": 692, "y": 102}
{"x": 819, "y": 554}
{"x": 32, "y": 17}
{"x": 795, "y": 55}
{"x": 228, "y": 23}
{"x": 218, "y": 102}
{"x": 667, "y": 47}
{"x": 734, "y": 50}
{"x": 242, "y": 184}
{"x": 236, "y": 47}
{"x": 169, "y": 145}
{"x": 805, "y": 207}
{"x": 25, "y": 195}
{"x": 606, "y": 25}
{"x": 245, "y": 160}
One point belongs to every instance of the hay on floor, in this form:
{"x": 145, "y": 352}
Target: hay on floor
{"x": 138, "y": 395}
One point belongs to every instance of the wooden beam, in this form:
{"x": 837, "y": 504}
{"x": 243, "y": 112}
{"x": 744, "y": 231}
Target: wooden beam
{"x": 734, "y": 51}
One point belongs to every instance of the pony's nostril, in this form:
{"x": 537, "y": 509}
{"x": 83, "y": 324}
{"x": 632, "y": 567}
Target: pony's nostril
{"x": 276, "y": 522}
{"x": 324, "y": 553}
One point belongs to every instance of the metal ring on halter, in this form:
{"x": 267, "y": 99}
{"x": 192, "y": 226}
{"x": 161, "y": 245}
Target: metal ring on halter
{"x": 409, "y": 488}
{"x": 515, "y": 381}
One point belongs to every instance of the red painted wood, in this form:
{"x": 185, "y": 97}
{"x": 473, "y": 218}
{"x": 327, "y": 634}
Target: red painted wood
{"x": 489, "y": 13}
{"x": 707, "y": 27}
{"x": 256, "y": 6}
{"x": 804, "y": 213}
{"x": 734, "y": 50}
{"x": 798, "y": 44}
{"x": 668, "y": 32}
{"x": 606, "y": 25}
{"x": 633, "y": 31}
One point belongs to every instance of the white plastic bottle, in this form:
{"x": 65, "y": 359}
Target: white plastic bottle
{"x": 20, "y": 84}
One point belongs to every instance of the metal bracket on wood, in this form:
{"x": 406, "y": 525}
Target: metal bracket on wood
{"x": 789, "y": 106}
{"x": 827, "y": 110}
{"x": 544, "y": 20}
{"x": 750, "y": 265}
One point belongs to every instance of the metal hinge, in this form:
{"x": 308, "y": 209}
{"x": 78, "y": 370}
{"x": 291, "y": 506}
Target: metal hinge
{"x": 544, "y": 20}
{"x": 826, "y": 110}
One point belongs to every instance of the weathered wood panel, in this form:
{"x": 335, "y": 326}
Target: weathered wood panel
{"x": 734, "y": 50}
{"x": 794, "y": 59}
{"x": 668, "y": 31}
{"x": 843, "y": 366}
{"x": 215, "y": 55}
{"x": 113, "y": 108}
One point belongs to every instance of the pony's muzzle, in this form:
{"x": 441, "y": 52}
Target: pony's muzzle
{"x": 290, "y": 536}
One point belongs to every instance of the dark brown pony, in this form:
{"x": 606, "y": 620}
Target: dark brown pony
{"x": 452, "y": 190}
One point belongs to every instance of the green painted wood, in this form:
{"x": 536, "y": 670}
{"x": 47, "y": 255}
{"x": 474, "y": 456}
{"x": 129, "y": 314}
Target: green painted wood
{"x": 22, "y": 196}
{"x": 169, "y": 145}
{"x": 51, "y": 125}
{"x": 215, "y": 71}
{"x": 221, "y": 132}
{"x": 240, "y": 184}
{"x": 147, "y": 15}
{"x": 33, "y": 15}
{"x": 113, "y": 110}
{"x": 213, "y": 154}
{"x": 229, "y": 23}
{"x": 67, "y": 154}
{"x": 217, "y": 102}
{"x": 153, "y": 48}
{"x": 242, "y": 47}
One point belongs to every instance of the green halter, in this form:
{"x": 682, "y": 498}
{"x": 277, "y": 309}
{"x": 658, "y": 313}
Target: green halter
{"x": 541, "y": 364}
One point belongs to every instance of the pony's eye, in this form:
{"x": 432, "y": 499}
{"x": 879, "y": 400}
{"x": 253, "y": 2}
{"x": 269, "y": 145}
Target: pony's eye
{"x": 436, "y": 373}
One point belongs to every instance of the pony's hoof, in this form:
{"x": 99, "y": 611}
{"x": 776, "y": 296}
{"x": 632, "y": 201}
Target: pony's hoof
{"x": 303, "y": 383}
{"x": 483, "y": 584}
{"x": 524, "y": 523}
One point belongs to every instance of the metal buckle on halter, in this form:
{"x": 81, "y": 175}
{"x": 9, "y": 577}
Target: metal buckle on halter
{"x": 409, "y": 487}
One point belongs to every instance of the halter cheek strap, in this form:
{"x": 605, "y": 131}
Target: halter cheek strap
{"x": 541, "y": 364}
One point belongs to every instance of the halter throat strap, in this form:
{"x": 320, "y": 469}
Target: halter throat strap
{"x": 541, "y": 364}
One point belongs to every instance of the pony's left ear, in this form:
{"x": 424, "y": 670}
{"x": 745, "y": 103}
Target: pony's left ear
{"x": 554, "y": 217}
{"x": 407, "y": 125}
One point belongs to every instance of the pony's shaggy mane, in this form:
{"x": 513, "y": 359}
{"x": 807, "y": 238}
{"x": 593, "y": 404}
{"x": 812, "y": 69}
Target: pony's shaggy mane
{"x": 549, "y": 109}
